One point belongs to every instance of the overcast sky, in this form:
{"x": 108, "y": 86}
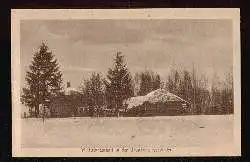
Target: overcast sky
{"x": 84, "y": 46}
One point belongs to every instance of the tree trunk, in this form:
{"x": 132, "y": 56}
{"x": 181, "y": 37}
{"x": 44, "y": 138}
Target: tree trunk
{"x": 36, "y": 111}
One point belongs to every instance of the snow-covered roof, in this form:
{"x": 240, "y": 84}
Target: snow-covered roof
{"x": 159, "y": 95}
{"x": 70, "y": 90}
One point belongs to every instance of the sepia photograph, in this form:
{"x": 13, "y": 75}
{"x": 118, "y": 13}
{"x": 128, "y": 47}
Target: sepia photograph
{"x": 139, "y": 82}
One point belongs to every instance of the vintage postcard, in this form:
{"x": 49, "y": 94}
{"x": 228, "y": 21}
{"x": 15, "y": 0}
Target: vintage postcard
{"x": 126, "y": 82}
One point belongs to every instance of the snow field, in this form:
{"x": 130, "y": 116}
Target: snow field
{"x": 170, "y": 131}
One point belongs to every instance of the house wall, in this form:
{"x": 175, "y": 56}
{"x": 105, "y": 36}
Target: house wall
{"x": 62, "y": 107}
{"x": 158, "y": 109}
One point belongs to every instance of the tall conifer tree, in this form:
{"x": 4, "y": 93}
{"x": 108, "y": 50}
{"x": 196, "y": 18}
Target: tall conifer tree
{"x": 44, "y": 80}
{"x": 119, "y": 84}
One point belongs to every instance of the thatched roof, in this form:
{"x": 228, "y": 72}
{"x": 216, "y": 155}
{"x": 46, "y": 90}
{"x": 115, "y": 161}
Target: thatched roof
{"x": 156, "y": 96}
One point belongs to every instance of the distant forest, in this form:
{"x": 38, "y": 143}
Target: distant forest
{"x": 100, "y": 92}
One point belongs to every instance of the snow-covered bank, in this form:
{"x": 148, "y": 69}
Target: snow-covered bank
{"x": 172, "y": 131}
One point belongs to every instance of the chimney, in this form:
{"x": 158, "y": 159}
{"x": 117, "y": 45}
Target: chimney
{"x": 68, "y": 84}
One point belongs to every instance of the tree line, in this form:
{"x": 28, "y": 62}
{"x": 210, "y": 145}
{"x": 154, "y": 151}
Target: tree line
{"x": 216, "y": 98}
{"x": 97, "y": 93}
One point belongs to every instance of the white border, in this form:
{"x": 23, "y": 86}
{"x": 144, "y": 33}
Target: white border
{"x": 181, "y": 13}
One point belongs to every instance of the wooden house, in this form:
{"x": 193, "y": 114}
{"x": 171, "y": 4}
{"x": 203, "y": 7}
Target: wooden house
{"x": 67, "y": 104}
{"x": 157, "y": 103}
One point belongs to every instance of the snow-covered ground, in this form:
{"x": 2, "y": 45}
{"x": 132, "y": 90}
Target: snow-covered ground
{"x": 182, "y": 131}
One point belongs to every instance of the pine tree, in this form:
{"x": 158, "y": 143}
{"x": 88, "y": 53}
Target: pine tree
{"x": 157, "y": 82}
{"x": 86, "y": 93}
{"x": 227, "y": 94}
{"x": 94, "y": 94}
{"x": 216, "y": 95}
{"x": 202, "y": 95}
{"x": 173, "y": 82}
{"x": 119, "y": 84}
{"x": 177, "y": 82}
{"x": 43, "y": 79}
{"x": 170, "y": 84}
{"x": 230, "y": 91}
{"x": 185, "y": 89}
{"x": 145, "y": 83}
{"x": 149, "y": 81}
